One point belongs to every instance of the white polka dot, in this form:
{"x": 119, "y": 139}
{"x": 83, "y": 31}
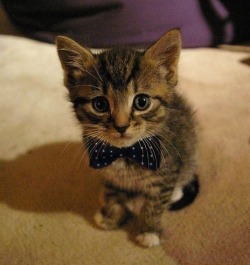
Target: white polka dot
{"x": 134, "y": 155}
{"x": 96, "y": 151}
{"x": 142, "y": 163}
{"x": 98, "y": 165}
{"x": 120, "y": 154}
{"x": 105, "y": 164}
{"x": 133, "y": 148}
{"x": 111, "y": 151}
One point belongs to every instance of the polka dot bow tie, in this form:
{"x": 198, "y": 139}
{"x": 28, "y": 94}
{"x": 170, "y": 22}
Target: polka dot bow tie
{"x": 145, "y": 152}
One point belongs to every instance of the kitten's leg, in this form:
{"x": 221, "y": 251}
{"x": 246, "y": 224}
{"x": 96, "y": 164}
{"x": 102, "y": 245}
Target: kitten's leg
{"x": 112, "y": 213}
{"x": 149, "y": 221}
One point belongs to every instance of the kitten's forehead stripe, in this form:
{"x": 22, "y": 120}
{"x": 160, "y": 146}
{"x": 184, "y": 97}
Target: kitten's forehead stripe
{"x": 118, "y": 67}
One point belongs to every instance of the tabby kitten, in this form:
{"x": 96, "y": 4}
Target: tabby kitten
{"x": 139, "y": 132}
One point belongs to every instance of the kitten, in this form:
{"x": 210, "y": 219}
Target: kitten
{"x": 139, "y": 132}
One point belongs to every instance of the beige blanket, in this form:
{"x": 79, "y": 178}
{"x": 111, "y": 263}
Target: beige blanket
{"x": 48, "y": 194}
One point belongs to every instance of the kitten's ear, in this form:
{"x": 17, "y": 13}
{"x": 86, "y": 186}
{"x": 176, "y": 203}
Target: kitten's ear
{"x": 74, "y": 58}
{"x": 165, "y": 54}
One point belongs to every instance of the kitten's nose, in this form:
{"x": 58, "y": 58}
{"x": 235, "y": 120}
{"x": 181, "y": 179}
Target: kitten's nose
{"x": 121, "y": 129}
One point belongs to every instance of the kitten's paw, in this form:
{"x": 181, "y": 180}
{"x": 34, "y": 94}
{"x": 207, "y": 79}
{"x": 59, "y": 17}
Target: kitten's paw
{"x": 148, "y": 239}
{"x": 112, "y": 218}
{"x": 100, "y": 221}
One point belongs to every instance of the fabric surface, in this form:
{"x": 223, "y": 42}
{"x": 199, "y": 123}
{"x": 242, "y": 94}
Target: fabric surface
{"x": 48, "y": 194}
{"x": 105, "y": 23}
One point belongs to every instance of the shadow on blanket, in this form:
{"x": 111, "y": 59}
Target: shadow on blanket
{"x": 50, "y": 179}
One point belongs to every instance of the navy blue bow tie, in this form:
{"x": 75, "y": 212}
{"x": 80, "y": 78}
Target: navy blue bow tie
{"x": 145, "y": 152}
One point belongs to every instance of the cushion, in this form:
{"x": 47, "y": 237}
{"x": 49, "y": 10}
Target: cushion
{"x": 106, "y": 23}
{"x": 48, "y": 193}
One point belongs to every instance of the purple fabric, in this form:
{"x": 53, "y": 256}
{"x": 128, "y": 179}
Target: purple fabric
{"x": 107, "y": 23}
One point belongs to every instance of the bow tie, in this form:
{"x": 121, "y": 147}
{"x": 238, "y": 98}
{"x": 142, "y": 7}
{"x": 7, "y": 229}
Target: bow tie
{"x": 145, "y": 152}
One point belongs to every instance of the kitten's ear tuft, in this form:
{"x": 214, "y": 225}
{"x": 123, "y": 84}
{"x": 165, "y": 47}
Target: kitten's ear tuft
{"x": 74, "y": 58}
{"x": 165, "y": 54}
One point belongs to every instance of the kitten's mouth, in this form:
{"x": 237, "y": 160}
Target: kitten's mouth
{"x": 122, "y": 140}
{"x": 125, "y": 136}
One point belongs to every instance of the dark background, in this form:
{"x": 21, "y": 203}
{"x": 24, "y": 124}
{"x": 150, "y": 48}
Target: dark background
{"x": 107, "y": 23}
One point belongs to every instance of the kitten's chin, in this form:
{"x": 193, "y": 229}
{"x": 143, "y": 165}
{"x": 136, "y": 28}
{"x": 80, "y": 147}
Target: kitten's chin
{"x": 122, "y": 141}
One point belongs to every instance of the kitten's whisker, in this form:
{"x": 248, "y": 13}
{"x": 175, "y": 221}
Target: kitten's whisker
{"x": 98, "y": 138}
{"x": 170, "y": 144}
{"x": 75, "y": 155}
{"x": 161, "y": 148}
{"x": 145, "y": 144}
{"x": 174, "y": 110}
{"x": 152, "y": 150}
{"x": 79, "y": 149}
{"x": 102, "y": 147}
{"x": 88, "y": 142}
{"x": 164, "y": 149}
{"x": 83, "y": 85}
{"x": 89, "y": 136}
{"x": 141, "y": 149}
{"x": 169, "y": 131}
{"x": 165, "y": 138}
{"x": 98, "y": 74}
{"x": 65, "y": 148}
{"x": 81, "y": 158}
{"x": 92, "y": 76}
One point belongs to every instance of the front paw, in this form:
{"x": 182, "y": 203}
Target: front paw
{"x": 149, "y": 239}
{"x": 110, "y": 219}
{"x": 102, "y": 221}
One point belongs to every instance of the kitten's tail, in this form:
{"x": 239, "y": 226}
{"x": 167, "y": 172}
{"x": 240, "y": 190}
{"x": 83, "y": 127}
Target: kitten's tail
{"x": 183, "y": 197}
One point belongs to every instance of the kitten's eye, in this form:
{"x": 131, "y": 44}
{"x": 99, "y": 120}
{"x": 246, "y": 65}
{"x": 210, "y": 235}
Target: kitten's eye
{"x": 100, "y": 104}
{"x": 141, "y": 102}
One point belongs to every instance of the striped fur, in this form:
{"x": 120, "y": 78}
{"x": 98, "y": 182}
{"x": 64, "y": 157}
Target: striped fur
{"x": 118, "y": 76}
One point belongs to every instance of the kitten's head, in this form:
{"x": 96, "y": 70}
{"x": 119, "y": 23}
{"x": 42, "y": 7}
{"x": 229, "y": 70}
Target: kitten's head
{"x": 121, "y": 95}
